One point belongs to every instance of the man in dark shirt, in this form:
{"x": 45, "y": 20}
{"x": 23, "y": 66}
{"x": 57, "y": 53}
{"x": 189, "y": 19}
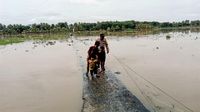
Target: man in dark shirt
{"x": 103, "y": 47}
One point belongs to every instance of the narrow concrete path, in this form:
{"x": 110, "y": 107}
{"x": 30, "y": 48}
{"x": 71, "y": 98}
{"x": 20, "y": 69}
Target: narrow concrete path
{"x": 108, "y": 94}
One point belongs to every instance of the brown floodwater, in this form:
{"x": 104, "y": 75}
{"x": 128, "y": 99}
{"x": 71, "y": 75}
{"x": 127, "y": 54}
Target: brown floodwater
{"x": 162, "y": 72}
{"x": 35, "y": 77}
{"x": 165, "y": 71}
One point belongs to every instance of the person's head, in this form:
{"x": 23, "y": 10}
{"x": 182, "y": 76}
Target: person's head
{"x": 102, "y": 36}
{"x": 97, "y": 43}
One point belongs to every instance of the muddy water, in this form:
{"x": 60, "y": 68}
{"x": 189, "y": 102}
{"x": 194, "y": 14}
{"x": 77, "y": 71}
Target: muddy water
{"x": 162, "y": 73}
{"x": 39, "y": 77}
{"x": 165, "y": 71}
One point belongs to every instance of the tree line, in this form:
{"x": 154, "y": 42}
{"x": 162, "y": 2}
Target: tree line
{"x": 112, "y": 26}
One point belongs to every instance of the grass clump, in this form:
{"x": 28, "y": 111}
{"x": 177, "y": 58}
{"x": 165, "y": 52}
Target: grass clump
{"x": 33, "y": 37}
{"x": 6, "y": 41}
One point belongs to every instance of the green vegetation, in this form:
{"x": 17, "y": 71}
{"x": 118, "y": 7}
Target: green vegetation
{"x": 23, "y": 37}
{"x": 11, "y": 41}
{"x": 108, "y": 26}
{"x": 18, "y": 33}
{"x": 34, "y": 28}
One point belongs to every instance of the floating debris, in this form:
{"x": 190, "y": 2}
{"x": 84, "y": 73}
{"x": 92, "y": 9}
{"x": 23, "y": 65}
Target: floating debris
{"x": 117, "y": 73}
{"x": 85, "y": 39}
{"x": 50, "y": 43}
{"x": 168, "y": 37}
{"x": 157, "y": 47}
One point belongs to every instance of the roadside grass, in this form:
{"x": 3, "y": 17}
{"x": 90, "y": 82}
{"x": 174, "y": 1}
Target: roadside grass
{"x": 11, "y": 39}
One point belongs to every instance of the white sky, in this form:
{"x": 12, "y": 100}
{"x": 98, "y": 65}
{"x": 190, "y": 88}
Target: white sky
{"x": 53, "y": 11}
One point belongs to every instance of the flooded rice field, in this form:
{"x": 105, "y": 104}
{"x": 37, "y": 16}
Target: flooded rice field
{"x": 39, "y": 77}
{"x": 46, "y": 76}
{"x": 165, "y": 71}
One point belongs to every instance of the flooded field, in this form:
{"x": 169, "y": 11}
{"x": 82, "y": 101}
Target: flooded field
{"x": 161, "y": 69}
{"x": 165, "y": 71}
{"x": 39, "y": 77}
{"x": 46, "y": 76}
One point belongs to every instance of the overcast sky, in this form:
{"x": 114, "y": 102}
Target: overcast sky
{"x": 53, "y": 11}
